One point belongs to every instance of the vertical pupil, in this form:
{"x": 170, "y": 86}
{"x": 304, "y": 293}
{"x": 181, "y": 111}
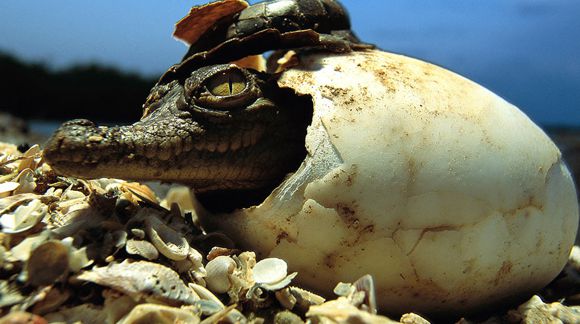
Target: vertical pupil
{"x": 226, "y": 84}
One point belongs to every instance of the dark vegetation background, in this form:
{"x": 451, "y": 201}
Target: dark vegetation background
{"x": 92, "y": 91}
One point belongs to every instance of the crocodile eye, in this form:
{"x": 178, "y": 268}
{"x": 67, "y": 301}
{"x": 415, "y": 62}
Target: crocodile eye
{"x": 226, "y": 84}
{"x": 226, "y": 88}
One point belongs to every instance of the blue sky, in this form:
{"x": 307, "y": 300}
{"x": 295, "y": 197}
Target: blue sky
{"x": 527, "y": 51}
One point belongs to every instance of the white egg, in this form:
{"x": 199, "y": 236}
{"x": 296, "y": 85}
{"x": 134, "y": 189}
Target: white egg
{"x": 450, "y": 197}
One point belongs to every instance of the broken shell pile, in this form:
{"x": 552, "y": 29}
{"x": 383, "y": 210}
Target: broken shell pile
{"x": 107, "y": 251}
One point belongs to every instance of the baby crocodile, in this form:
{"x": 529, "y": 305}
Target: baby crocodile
{"x": 223, "y": 129}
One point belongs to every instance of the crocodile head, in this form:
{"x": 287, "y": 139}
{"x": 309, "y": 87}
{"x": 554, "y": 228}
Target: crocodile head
{"x": 222, "y": 128}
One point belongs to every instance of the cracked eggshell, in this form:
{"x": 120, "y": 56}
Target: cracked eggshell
{"x": 450, "y": 197}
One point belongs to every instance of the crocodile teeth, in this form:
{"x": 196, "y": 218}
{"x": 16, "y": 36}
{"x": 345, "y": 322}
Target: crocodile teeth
{"x": 165, "y": 151}
{"x": 236, "y": 142}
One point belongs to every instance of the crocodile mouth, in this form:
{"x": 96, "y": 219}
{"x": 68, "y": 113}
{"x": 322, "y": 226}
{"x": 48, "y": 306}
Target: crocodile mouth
{"x": 143, "y": 152}
{"x": 250, "y": 155}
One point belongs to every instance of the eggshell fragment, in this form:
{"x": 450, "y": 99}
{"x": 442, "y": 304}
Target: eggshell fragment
{"x": 450, "y": 197}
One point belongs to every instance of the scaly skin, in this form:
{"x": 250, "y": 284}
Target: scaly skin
{"x": 247, "y": 138}
{"x": 219, "y": 128}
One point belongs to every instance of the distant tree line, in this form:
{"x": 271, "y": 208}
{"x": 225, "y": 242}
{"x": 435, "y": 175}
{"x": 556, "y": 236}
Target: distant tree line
{"x": 99, "y": 93}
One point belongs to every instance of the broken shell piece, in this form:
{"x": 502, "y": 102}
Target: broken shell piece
{"x": 304, "y": 298}
{"x": 48, "y": 262}
{"x": 70, "y": 194}
{"x": 412, "y": 318}
{"x": 192, "y": 266}
{"x": 22, "y": 317}
{"x": 85, "y": 313}
{"x": 227, "y": 315}
{"x": 202, "y": 18}
{"x": 26, "y": 180}
{"x": 142, "y": 248}
{"x": 21, "y": 252}
{"x": 143, "y": 192}
{"x": 24, "y": 217}
{"x": 167, "y": 241}
{"x": 341, "y": 311}
{"x": 78, "y": 258}
{"x": 205, "y": 294}
{"x": 9, "y": 294}
{"x": 153, "y": 313}
{"x": 117, "y": 305}
{"x": 360, "y": 294}
{"x": 270, "y": 270}
{"x": 287, "y": 317}
{"x": 219, "y": 271}
{"x": 536, "y": 311}
{"x": 574, "y": 259}
{"x": 6, "y": 188}
{"x": 180, "y": 195}
{"x": 138, "y": 233}
{"x": 280, "y": 284}
{"x": 285, "y": 298}
{"x": 143, "y": 279}
{"x": 8, "y": 204}
{"x": 30, "y": 158}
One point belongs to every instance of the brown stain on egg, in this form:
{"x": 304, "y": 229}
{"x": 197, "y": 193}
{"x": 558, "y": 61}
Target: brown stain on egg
{"x": 504, "y": 271}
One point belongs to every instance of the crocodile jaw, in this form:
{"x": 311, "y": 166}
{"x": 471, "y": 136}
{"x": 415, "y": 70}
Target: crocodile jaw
{"x": 169, "y": 149}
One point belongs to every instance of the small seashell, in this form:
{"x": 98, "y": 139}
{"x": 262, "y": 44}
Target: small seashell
{"x": 153, "y": 313}
{"x": 270, "y": 270}
{"x": 219, "y": 271}
{"x": 143, "y": 192}
{"x": 47, "y": 263}
{"x": 167, "y": 241}
{"x": 138, "y": 233}
{"x": 143, "y": 279}
{"x": 26, "y": 180}
{"x": 142, "y": 248}
{"x": 8, "y": 204}
{"x": 278, "y": 285}
{"x": 30, "y": 158}
{"x": 24, "y": 217}
{"x": 6, "y": 188}
{"x": 70, "y": 194}
{"x": 19, "y": 317}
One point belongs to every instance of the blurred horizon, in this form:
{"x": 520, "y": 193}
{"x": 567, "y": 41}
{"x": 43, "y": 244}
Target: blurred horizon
{"x": 524, "y": 50}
